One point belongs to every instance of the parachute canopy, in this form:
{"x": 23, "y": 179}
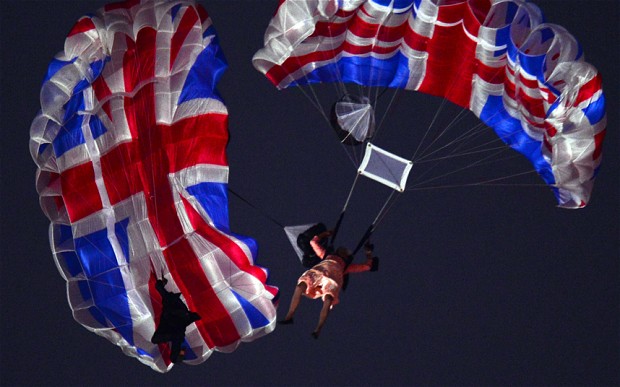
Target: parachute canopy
{"x": 130, "y": 145}
{"x": 524, "y": 78}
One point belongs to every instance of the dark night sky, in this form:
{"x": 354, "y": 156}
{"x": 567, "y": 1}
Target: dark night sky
{"x": 478, "y": 285}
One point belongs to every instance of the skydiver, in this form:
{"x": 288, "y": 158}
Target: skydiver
{"x": 175, "y": 317}
{"x": 325, "y": 279}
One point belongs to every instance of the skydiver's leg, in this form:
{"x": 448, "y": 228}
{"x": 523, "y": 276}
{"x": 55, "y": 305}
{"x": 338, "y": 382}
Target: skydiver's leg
{"x": 175, "y": 350}
{"x": 161, "y": 336}
{"x": 157, "y": 338}
{"x": 327, "y": 303}
{"x": 299, "y": 290}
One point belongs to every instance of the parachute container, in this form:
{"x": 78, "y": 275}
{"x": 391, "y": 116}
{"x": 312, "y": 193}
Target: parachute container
{"x": 385, "y": 167}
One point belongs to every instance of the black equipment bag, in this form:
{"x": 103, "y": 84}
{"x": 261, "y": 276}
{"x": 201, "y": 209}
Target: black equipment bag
{"x": 310, "y": 258}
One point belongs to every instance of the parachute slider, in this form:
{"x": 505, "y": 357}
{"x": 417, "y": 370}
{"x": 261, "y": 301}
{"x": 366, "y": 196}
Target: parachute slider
{"x": 385, "y": 167}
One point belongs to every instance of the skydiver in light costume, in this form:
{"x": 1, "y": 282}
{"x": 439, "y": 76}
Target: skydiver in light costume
{"x": 325, "y": 279}
{"x": 175, "y": 317}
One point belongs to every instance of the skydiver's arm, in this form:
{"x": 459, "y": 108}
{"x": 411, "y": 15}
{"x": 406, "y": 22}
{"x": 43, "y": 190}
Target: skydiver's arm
{"x": 359, "y": 267}
{"x": 316, "y": 246}
{"x": 161, "y": 288}
{"x": 325, "y": 234}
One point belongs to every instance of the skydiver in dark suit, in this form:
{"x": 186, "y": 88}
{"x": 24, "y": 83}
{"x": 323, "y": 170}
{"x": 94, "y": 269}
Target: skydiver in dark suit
{"x": 175, "y": 317}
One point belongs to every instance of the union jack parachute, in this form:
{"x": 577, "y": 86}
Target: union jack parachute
{"x": 130, "y": 145}
{"x": 524, "y": 78}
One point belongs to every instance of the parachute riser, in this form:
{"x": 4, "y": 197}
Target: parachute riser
{"x": 364, "y": 239}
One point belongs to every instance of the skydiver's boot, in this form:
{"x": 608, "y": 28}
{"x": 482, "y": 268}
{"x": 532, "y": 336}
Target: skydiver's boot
{"x": 368, "y": 249}
{"x": 375, "y": 264}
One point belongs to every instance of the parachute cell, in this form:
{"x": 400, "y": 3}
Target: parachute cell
{"x": 524, "y": 78}
{"x": 130, "y": 145}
